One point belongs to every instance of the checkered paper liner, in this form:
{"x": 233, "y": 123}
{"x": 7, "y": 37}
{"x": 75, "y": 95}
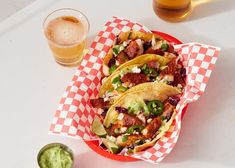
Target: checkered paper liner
{"x": 75, "y": 114}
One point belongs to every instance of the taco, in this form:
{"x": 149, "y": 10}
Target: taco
{"x": 138, "y": 118}
{"x": 142, "y": 69}
{"x": 131, "y": 44}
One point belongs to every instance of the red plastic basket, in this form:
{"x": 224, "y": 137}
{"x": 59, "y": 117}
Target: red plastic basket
{"x": 94, "y": 145}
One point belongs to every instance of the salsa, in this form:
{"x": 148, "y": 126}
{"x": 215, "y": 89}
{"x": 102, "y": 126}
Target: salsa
{"x": 55, "y": 157}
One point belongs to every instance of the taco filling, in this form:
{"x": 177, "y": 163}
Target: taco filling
{"x": 131, "y": 44}
{"x": 134, "y": 74}
{"x": 138, "y": 119}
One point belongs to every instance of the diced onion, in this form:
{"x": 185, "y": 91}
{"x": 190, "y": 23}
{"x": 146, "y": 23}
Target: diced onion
{"x": 120, "y": 116}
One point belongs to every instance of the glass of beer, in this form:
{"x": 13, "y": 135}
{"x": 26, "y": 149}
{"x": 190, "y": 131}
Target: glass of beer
{"x": 172, "y": 10}
{"x": 66, "y": 31}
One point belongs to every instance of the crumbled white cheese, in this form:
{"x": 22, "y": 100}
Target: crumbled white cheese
{"x": 131, "y": 85}
{"x": 147, "y": 140}
{"x": 106, "y": 99}
{"x": 123, "y": 129}
{"x": 169, "y": 78}
{"x": 179, "y": 86}
{"x": 141, "y": 117}
{"x": 149, "y": 120}
{"x": 120, "y": 116}
{"x": 109, "y": 94}
{"x": 135, "y": 69}
{"x": 153, "y": 42}
{"x": 144, "y": 131}
{"x": 117, "y": 63}
{"x": 125, "y": 43}
{"x": 126, "y": 84}
{"x": 100, "y": 111}
{"x": 140, "y": 44}
{"x": 119, "y": 140}
{"x": 135, "y": 132}
{"x": 158, "y": 45}
{"x": 111, "y": 138}
{"x": 115, "y": 85}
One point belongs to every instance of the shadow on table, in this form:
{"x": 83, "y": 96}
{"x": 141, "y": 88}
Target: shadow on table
{"x": 205, "y": 8}
{"x": 207, "y": 114}
{"x": 91, "y": 159}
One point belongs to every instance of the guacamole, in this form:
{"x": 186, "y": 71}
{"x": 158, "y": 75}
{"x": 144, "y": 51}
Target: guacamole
{"x": 55, "y": 157}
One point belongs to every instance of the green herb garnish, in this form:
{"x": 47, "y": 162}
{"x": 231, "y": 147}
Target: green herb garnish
{"x": 164, "y": 47}
{"x": 139, "y": 142}
{"x": 121, "y": 88}
{"x": 115, "y": 51}
{"x": 144, "y": 67}
{"x": 131, "y": 129}
{"x": 112, "y": 69}
{"x": 146, "y": 110}
{"x": 124, "y": 138}
{"x": 116, "y": 80}
{"x": 149, "y": 71}
{"x": 116, "y": 131}
{"x": 163, "y": 118}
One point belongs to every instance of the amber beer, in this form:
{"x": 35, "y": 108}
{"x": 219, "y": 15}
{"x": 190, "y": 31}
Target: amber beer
{"x": 66, "y": 31}
{"x": 172, "y": 10}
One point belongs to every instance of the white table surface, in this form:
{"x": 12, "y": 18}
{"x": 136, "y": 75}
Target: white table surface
{"x": 31, "y": 84}
{"x": 10, "y": 7}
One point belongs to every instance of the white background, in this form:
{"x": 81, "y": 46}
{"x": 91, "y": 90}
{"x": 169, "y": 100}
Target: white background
{"x": 31, "y": 84}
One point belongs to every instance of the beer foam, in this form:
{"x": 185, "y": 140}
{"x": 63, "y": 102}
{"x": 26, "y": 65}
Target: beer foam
{"x": 65, "y": 30}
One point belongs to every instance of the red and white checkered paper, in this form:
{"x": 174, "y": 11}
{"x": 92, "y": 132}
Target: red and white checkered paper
{"x": 75, "y": 114}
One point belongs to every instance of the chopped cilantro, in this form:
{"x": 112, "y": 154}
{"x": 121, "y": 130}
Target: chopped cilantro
{"x": 144, "y": 67}
{"x": 132, "y": 128}
{"x": 124, "y": 138}
{"x": 149, "y": 71}
{"x": 115, "y": 51}
{"x": 112, "y": 69}
{"x": 164, "y": 47}
{"x": 163, "y": 118}
{"x": 121, "y": 88}
{"x": 116, "y": 80}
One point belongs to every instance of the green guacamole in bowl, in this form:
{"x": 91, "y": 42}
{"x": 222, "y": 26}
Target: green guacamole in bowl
{"x": 55, "y": 155}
